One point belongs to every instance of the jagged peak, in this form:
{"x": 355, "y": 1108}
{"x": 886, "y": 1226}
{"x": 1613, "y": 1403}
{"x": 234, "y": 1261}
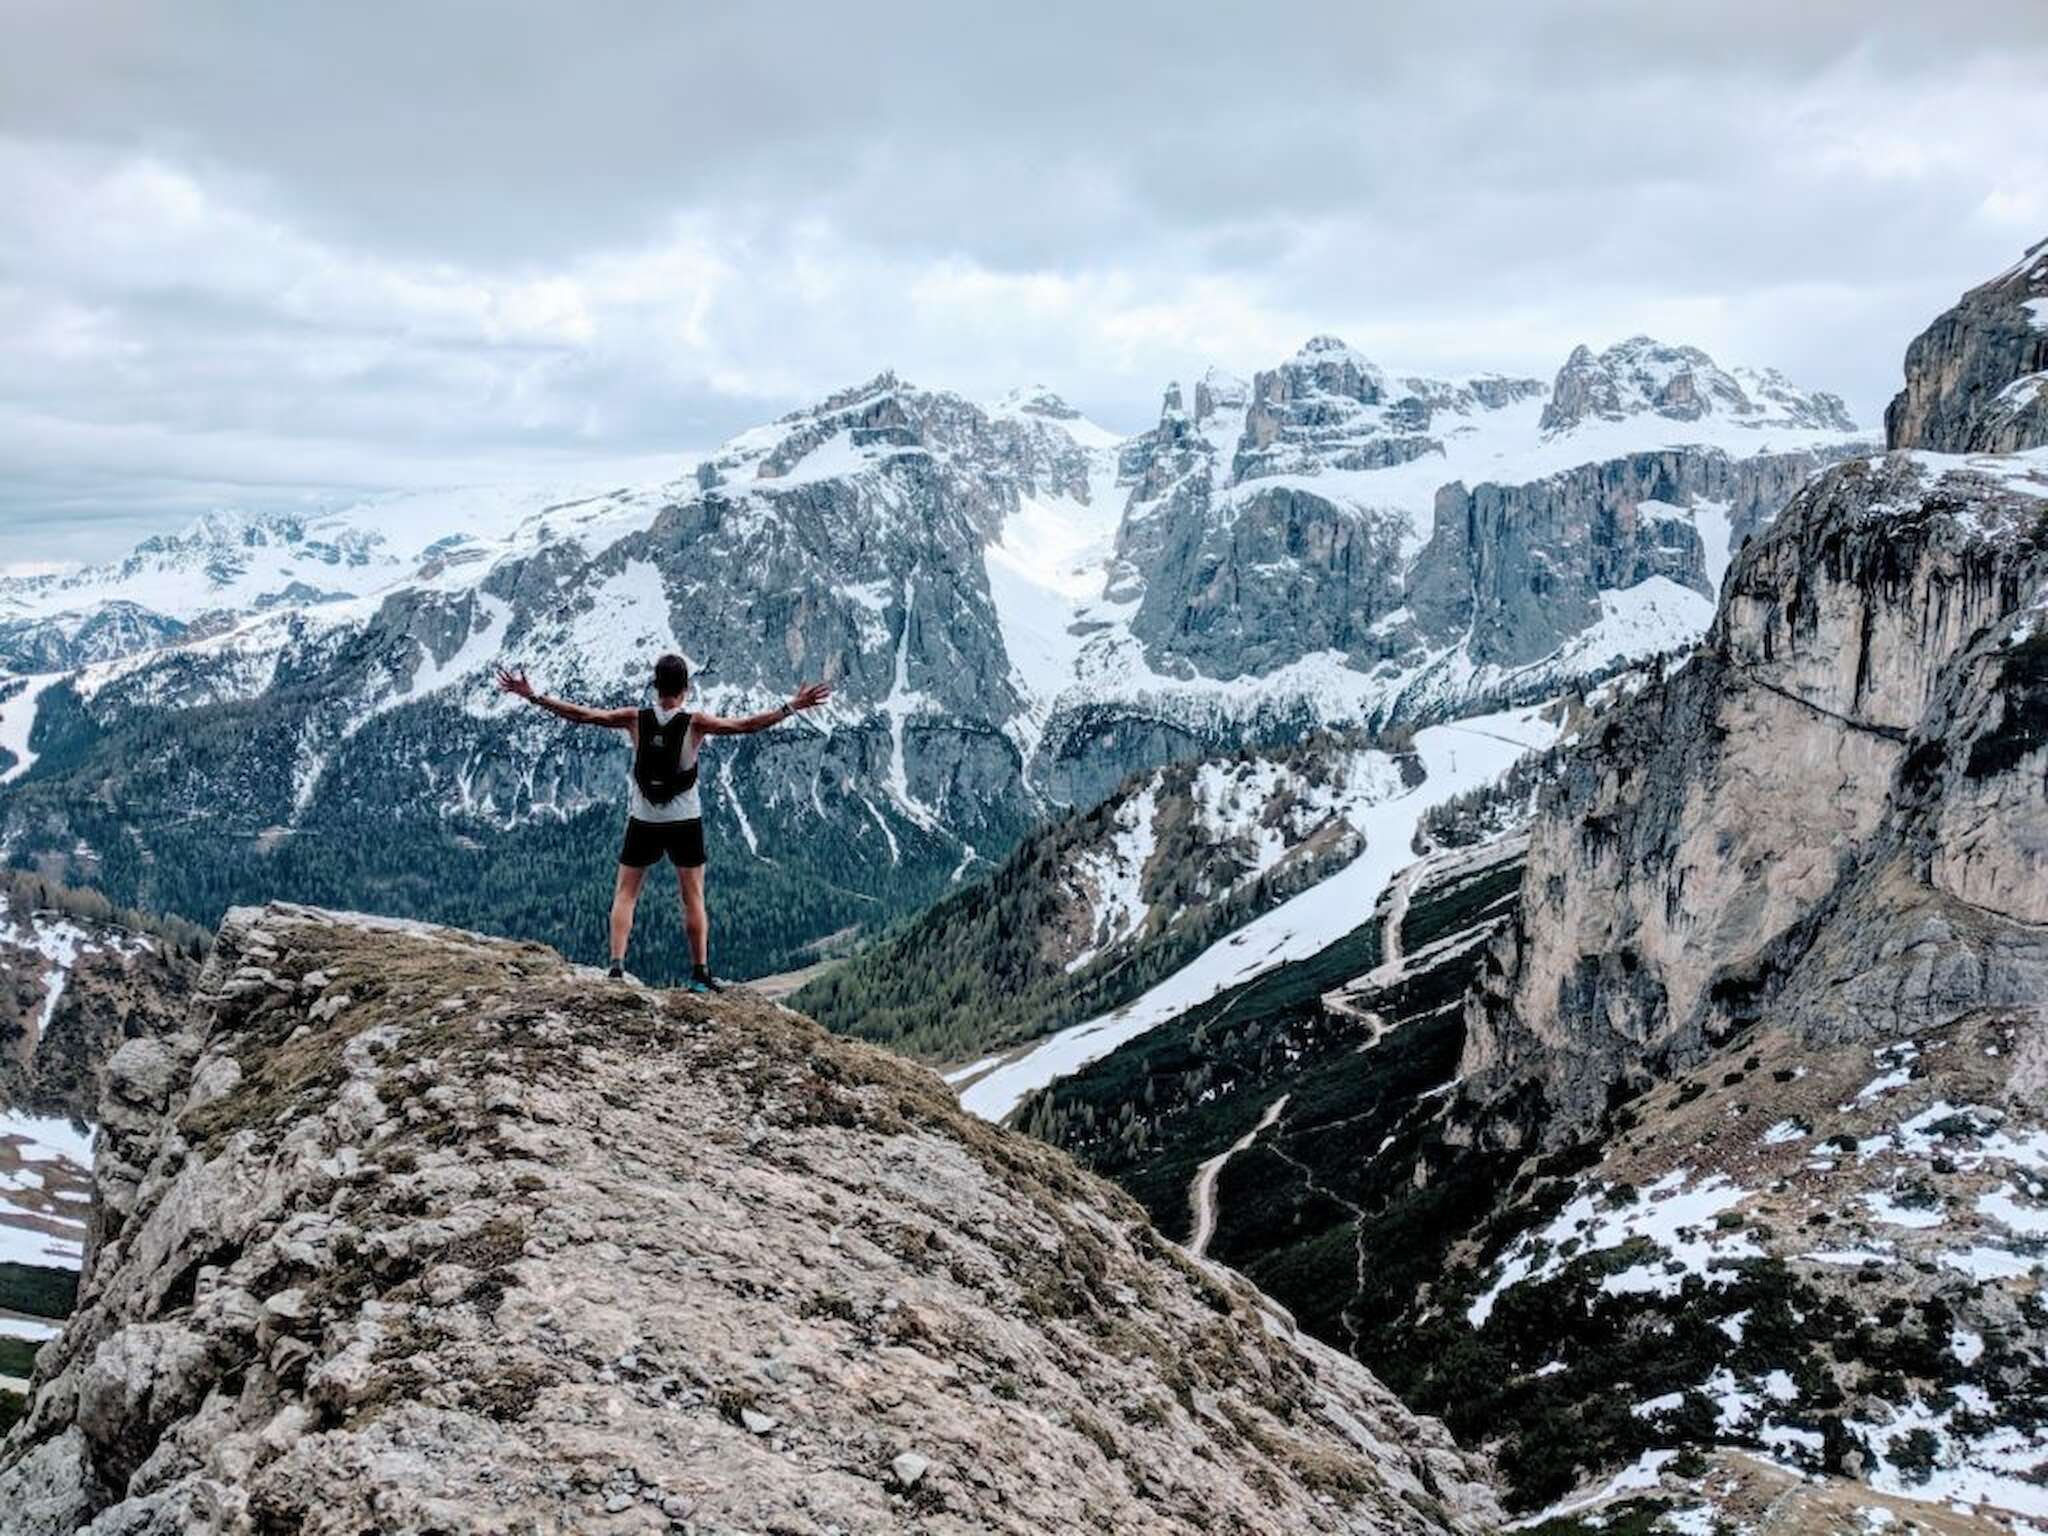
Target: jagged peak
{"x": 1327, "y": 346}
{"x": 1977, "y": 377}
{"x": 228, "y": 525}
{"x": 1334, "y": 360}
{"x": 1643, "y": 349}
{"x": 887, "y": 382}
{"x": 1037, "y": 400}
{"x": 1642, "y": 374}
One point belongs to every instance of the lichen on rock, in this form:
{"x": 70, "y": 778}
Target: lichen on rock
{"x": 414, "y": 1230}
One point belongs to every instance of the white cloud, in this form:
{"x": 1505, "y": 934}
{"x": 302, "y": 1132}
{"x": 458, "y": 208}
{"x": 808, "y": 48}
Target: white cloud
{"x": 266, "y": 257}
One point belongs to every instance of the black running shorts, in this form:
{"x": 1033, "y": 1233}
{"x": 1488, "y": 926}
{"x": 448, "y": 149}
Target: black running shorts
{"x": 647, "y": 842}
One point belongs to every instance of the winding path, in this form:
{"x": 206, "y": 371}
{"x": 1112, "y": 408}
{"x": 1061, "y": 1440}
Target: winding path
{"x": 1341, "y": 998}
{"x": 1455, "y": 758}
{"x": 1202, "y": 1193}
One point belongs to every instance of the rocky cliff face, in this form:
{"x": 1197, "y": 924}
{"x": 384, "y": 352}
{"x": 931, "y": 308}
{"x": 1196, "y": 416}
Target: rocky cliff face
{"x": 75, "y": 984}
{"x": 1977, "y": 378}
{"x": 415, "y": 1231}
{"x": 1526, "y": 569}
{"x": 1795, "y": 779}
{"x": 1833, "y": 814}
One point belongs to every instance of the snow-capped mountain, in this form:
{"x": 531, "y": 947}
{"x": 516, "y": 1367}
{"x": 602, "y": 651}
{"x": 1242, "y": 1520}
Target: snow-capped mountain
{"x": 1678, "y": 1131}
{"x": 228, "y": 565}
{"x": 1643, "y": 375}
{"x": 1015, "y": 608}
{"x": 1331, "y": 542}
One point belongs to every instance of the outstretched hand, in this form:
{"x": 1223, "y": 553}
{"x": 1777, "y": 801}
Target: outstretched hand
{"x": 515, "y": 682}
{"x": 810, "y": 696}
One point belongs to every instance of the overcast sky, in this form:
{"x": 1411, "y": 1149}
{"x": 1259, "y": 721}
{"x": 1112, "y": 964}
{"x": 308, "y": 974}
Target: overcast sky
{"x": 276, "y": 255}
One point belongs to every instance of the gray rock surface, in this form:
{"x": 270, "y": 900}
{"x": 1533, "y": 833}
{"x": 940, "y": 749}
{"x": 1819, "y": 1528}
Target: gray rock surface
{"x": 1286, "y": 573}
{"x": 1683, "y": 384}
{"x": 1521, "y": 567}
{"x": 1834, "y": 817}
{"x": 492, "y": 1246}
{"x": 1977, "y": 378}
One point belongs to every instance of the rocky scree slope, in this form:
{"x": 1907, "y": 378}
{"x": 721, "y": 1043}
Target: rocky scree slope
{"x": 413, "y": 1230}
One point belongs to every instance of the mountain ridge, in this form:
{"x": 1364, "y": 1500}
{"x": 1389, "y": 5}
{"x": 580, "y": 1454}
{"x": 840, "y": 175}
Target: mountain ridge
{"x": 1698, "y": 1137}
{"x": 306, "y": 1301}
{"x": 1016, "y": 613}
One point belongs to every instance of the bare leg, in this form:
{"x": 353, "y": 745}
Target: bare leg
{"x": 696, "y": 921}
{"x": 623, "y": 899}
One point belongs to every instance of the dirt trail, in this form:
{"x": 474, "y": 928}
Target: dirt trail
{"x": 1202, "y": 1193}
{"x": 1340, "y": 999}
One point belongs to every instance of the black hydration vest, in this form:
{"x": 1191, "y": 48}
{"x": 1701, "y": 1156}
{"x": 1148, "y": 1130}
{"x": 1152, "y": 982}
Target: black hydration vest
{"x": 658, "y": 758}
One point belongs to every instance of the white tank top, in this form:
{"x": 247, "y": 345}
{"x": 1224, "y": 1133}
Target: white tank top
{"x": 686, "y": 806}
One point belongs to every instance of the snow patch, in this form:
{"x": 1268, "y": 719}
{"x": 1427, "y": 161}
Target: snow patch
{"x": 1674, "y": 1219}
{"x": 18, "y": 721}
{"x": 1454, "y": 758}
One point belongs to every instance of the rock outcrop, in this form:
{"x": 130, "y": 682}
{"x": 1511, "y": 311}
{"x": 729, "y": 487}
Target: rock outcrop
{"x": 1977, "y": 378}
{"x": 1854, "y": 752}
{"x": 411, "y": 1230}
{"x": 1683, "y": 384}
{"x": 1225, "y": 594}
{"x": 1330, "y": 407}
{"x": 1522, "y": 569}
{"x": 1835, "y": 814}
{"x": 1680, "y": 384}
{"x": 75, "y": 982}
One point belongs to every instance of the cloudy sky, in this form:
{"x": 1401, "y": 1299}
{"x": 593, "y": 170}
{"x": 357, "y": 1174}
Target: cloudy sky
{"x": 280, "y": 255}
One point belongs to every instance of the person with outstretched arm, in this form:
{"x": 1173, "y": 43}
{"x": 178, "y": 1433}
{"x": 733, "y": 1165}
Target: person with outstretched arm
{"x": 665, "y": 817}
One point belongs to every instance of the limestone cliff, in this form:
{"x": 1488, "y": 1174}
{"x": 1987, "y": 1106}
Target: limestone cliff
{"x": 1836, "y": 813}
{"x": 1523, "y": 569}
{"x": 1977, "y": 379}
{"x": 412, "y": 1230}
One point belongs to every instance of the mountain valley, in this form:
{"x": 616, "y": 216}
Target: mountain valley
{"x": 1695, "y": 1112}
{"x": 1017, "y": 610}
{"x": 1542, "y": 881}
